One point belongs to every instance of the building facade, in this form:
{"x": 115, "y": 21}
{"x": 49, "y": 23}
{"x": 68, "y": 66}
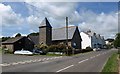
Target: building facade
{"x": 91, "y": 39}
{"x": 49, "y": 36}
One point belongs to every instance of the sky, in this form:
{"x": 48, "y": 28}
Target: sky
{"x": 25, "y": 17}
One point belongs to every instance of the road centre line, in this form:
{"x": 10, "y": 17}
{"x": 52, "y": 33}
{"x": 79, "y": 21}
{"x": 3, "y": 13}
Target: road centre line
{"x": 65, "y": 68}
{"x": 83, "y": 60}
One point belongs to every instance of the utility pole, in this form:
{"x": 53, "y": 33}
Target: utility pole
{"x": 67, "y": 34}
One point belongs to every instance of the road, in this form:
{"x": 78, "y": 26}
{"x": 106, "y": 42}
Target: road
{"x": 87, "y": 62}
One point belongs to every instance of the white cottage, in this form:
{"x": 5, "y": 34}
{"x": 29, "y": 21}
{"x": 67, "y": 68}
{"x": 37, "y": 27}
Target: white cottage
{"x": 91, "y": 39}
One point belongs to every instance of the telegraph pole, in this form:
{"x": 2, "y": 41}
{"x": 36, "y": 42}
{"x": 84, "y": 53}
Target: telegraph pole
{"x": 67, "y": 34}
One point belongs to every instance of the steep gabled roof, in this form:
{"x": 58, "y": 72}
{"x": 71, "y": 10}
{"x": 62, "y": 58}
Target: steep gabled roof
{"x": 60, "y": 33}
{"x": 13, "y": 40}
{"x": 34, "y": 39}
{"x": 45, "y": 23}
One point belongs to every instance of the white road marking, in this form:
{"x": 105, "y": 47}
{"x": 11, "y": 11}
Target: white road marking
{"x": 39, "y": 60}
{"x": 5, "y": 64}
{"x": 47, "y": 59}
{"x": 83, "y": 60}
{"x": 65, "y": 68}
{"x": 29, "y": 61}
{"x": 15, "y": 63}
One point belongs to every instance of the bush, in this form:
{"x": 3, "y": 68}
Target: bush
{"x": 57, "y": 48}
{"x": 60, "y": 48}
{"x": 87, "y": 49}
{"x": 52, "y": 48}
{"x": 42, "y": 47}
{"x": 68, "y": 51}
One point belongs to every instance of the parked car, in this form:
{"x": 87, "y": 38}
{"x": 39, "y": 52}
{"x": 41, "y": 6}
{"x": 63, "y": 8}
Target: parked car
{"x": 25, "y": 52}
{"x": 38, "y": 51}
{"x": 96, "y": 49}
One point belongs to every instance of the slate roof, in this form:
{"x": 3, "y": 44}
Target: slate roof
{"x": 89, "y": 33}
{"x": 13, "y": 40}
{"x": 60, "y": 33}
{"x": 45, "y": 23}
{"x": 35, "y": 39}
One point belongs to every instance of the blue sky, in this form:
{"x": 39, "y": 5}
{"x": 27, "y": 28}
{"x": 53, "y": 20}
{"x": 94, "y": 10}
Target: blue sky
{"x": 25, "y": 17}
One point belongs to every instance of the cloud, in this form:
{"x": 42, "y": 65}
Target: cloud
{"x": 31, "y": 31}
{"x": 56, "y": 12}
{"x": 33, "y": 20}
{"x": 9, "y": 17}
{"x": 104, "y": 24}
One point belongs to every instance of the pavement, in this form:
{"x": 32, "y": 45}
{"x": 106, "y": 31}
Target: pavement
{"x": 87, "y": 62}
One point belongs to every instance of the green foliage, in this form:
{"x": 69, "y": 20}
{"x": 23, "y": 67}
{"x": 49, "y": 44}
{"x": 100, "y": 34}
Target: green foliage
{"x": 112, "y": 64}
{"x": 87, "y": 49}
{"x": 60, "y": 48}
{"x": 109, "y": 46}
{"x": 42, "y": 47}
{"x": 117, "y": 40}
{"x": 18, "y": 35}
{"x": 34, "y": 34}
{"x": 5, "y": 38}
{"x": 52, "y": 48}
{"x": 57, "y": 48}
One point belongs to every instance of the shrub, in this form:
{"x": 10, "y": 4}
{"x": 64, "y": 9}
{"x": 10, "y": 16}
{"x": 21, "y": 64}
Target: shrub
{"x": 68, "y": 51}
{"x": 42, "y": 47}
{"x": 61, "y": 47}
{"x": 57, "y": 48}
{"x": 87, "y": 49}
{"x": 52, "y": 48}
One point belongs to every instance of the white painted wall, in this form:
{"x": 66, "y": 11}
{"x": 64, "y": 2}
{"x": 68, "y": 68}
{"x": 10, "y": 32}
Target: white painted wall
{"x": 91, "y": 41}
{"x": 86, "y": 40}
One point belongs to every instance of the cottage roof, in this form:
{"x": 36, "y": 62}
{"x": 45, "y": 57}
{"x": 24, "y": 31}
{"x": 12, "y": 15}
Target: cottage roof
{"x": 45, "y": 23}
{"x": 60, "y": 33}
{"x": 13, "y": 40}
{"x": 34, "y": 39}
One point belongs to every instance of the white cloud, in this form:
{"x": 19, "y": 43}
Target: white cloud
{"x": 56, "y": 12}
{"x": 9, "y": 17}
{"x": 31, "y": 31}
{"x": 104, "y": 24}
{"x": 33, "y": 20}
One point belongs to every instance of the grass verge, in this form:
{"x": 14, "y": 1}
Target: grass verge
{"x": 112, "y": 64}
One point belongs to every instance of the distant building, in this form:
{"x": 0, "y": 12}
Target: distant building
{"x": 109, "y": 41}
{"x": 18, "y": 43}
{"x": 91, "y": 39}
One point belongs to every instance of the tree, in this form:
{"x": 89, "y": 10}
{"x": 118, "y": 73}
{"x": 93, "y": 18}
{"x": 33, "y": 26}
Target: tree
{"x": 5, "y": 38}
{"x": 18, "y": 35}
{"x": 117, "y": 40}
{"x": 34, "y": 34}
